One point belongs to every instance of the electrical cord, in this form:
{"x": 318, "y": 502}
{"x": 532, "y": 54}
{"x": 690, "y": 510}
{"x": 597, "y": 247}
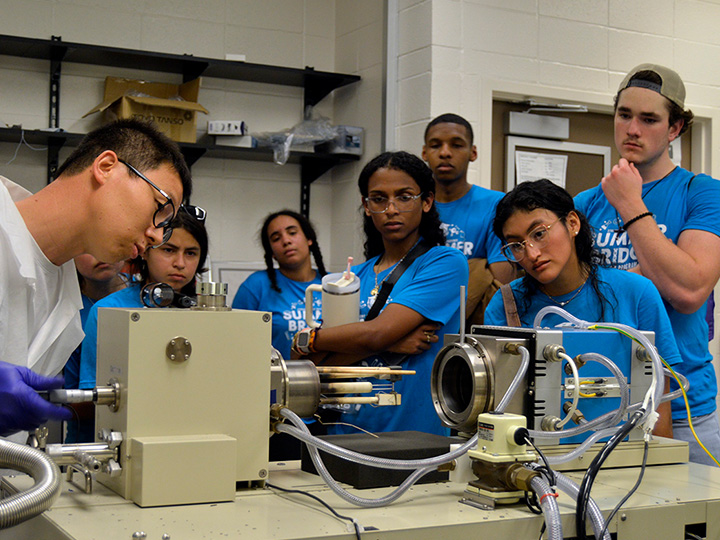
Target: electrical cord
{"x": 680, "y": 384}
{"x": 19, "y": 145}
{"x": 532, "y": 502}
{"x": 326, "y": 505}
{"x": 546, "y": 470}
{"x": 583, "y": 497}
{"x": 629, "y": 493}
{"x": 689, "y": 415}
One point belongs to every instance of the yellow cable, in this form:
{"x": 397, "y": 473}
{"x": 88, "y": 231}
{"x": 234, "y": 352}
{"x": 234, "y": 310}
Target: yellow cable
{"x": 677, "y": 379}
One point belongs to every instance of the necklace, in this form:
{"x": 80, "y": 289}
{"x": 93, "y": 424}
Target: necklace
{"x": 566, "y": 302}
{"x": 376, "y": 289}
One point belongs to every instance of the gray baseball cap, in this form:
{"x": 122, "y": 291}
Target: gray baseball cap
{"x": 671, "y": 86}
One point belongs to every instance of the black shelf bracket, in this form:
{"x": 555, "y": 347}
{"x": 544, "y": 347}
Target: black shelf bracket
{"x": 54, "y": 144}
{"x": 311, "y": 168}
{"x": 56, "y": 57}
{"x": 192, "y": 153}
{"x": 192, "y": 69}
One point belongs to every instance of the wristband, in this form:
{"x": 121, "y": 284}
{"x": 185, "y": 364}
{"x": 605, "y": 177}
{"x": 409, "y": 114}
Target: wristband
{"x": 633, "y": 220}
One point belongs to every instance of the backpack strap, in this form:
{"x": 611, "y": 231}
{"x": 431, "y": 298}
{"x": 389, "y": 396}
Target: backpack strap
{"x": 511, "y": 312}
{"x": 419, "y": 249}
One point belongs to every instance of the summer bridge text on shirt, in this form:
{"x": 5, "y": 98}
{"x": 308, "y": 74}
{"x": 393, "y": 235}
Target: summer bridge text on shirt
{"x": 455, "y": 238}
{"x": 616, "y": 246}
{"x": 295, "y": 316}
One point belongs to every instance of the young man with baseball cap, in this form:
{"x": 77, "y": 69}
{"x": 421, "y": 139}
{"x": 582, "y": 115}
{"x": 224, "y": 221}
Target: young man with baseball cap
{"x": 658, "y": 219}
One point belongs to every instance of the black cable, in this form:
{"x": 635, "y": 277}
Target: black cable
{"x": 532, "y": 503}
{"x": 318, "y": 499}
{"x": 629, "y": 494}
{"x": 542, "y": 530}
{"x": 546, "y": 471}
{"x": 583, "y": 497}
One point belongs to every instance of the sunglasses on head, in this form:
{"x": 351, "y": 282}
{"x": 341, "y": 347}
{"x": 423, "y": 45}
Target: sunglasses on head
{"x": 195, "y": 211}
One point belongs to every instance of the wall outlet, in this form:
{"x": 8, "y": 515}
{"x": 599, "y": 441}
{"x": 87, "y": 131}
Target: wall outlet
{"x": 227, "y": 127}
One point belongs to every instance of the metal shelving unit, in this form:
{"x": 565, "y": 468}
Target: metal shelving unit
{"x": 316, "y": 85}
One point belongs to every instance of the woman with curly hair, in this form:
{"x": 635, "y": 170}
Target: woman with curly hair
{"x": 553, "y": 243}
{"x": 400, "y": 221}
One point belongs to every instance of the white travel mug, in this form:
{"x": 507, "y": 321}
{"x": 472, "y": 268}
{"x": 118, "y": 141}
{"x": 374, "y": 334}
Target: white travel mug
{"x": 340, "y": 300}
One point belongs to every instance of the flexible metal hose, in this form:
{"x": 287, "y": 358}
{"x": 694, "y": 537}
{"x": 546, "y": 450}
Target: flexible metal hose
{"x": 34, "y": 501}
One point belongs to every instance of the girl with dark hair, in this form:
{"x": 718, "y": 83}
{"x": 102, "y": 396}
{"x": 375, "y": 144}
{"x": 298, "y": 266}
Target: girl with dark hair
{"x": 288, "y": 238}
{"x": 553, "y": 243}
{"x": 398, "y": 193}
{"x": 176, "y": 263}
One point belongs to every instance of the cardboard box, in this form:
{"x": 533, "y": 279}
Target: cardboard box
{"x": 156, "y": 102}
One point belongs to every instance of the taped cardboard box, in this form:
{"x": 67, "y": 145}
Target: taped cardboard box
{"x": 172, "y": 107}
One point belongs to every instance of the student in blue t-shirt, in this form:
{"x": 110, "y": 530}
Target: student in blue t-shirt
{"x": 289, "y": 239}
{"x": 554, "y": 245}
{"x": 659, "y": 220}
{"x": 466, "y": 210}
{"x": 397, "y": 191}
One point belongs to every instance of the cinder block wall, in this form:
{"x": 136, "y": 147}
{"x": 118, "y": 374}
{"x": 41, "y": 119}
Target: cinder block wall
{"x": 451, "y": 52}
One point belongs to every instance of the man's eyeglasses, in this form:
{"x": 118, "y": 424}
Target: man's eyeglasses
{"x": 195, "y": 211}
{"x": 165, "y": 212}
{"x": 538, "y": 238}
{"x": 377, "y": 204}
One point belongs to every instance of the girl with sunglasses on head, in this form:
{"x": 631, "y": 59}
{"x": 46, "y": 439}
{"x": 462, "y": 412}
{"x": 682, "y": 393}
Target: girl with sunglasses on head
{"x": 400, "y": 221}
{"x": 553, "y": 243}
{"x": 176, "y": 263}
{"x": 289, "y": 239}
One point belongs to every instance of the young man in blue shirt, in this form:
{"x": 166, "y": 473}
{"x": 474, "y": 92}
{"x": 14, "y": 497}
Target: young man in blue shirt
{"x": 466, "y": 210}
{"x": 645, "y": 201}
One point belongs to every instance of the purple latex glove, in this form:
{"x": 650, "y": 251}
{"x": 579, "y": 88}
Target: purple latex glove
{"x": 21, "y": 407}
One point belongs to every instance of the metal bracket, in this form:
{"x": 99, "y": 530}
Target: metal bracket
{"x": 87, "y": 488}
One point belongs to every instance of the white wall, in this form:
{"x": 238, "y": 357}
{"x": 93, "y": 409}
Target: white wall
{"x": 237, "y": 194}
{"x": 456, "y": 54}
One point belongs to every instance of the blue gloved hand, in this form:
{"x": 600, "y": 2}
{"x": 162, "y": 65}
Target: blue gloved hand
{"x": 21, "y": 407}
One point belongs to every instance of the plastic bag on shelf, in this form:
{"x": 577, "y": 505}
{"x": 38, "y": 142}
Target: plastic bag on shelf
{"x": 314, "y": 129}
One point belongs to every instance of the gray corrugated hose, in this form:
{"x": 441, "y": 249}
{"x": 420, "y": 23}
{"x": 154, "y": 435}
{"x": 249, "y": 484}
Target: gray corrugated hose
{"x": 34, "y": 501}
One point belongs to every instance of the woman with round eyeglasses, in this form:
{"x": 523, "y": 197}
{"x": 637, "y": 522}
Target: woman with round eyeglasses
{"x": 553, "y": 243}
{"x": 176, "y": 263}
{"x": 399, "y": 214}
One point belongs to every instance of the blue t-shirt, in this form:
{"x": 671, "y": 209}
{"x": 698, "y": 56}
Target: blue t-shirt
{"x": 71, "y": 372}
{"x": 287, "y": 307}
{"x": 679, "y": 202}
{"x": 629, "y": 299}
{"x": 467, "y": 224}
{"x": 78, "y": 431}
{"x": 125, "y": 298}
{"x": 431, "y": 287}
